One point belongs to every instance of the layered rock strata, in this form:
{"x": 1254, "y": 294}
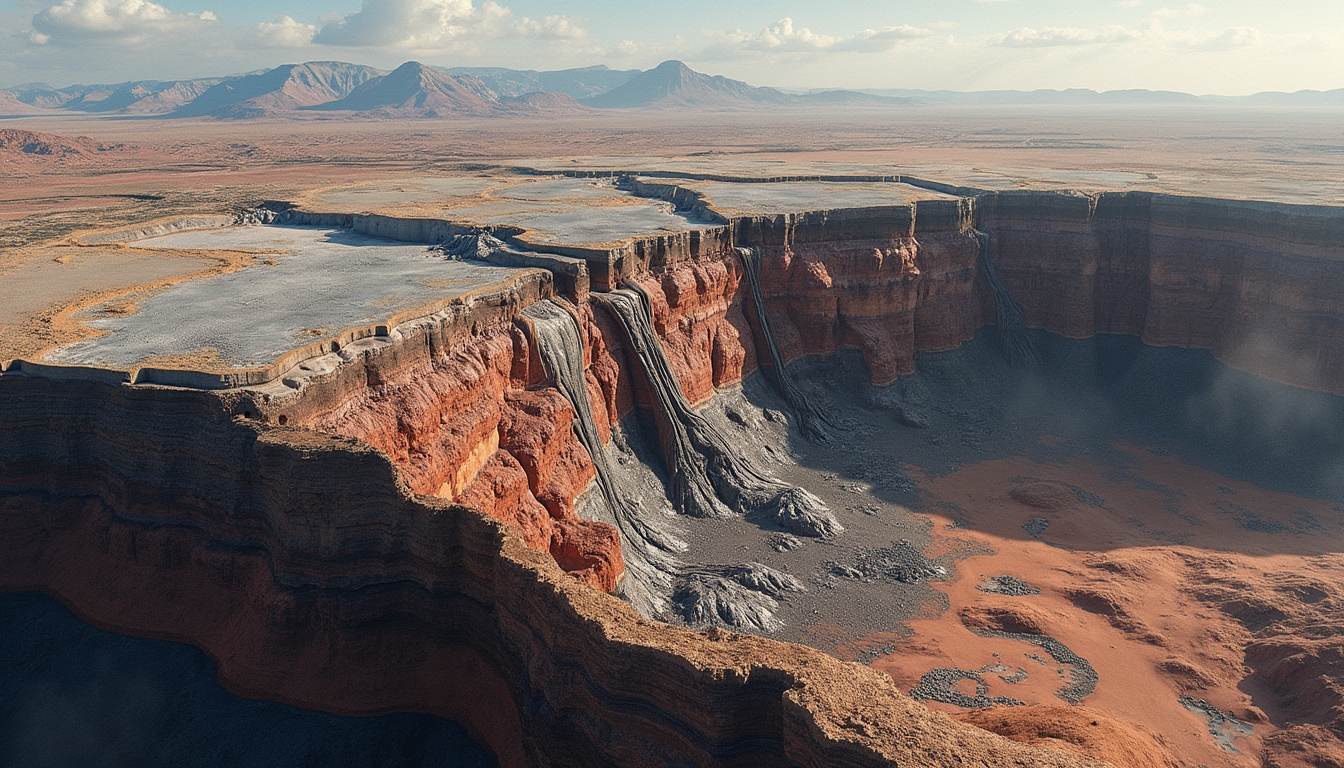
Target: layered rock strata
{"x": 305, "y": 566}
{"x": 1258, "y": 284}
{"x": 323, "y": 543}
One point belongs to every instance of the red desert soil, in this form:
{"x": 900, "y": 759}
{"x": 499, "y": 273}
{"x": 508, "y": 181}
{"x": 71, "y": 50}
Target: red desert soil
{"x": 1075, "y": 729}
{"x": 1171, "y": 580}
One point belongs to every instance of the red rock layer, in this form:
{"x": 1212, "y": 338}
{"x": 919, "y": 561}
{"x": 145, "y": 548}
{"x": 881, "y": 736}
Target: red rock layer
{"x": 460, "y": 424}
{"x": 860, "y": 282}
{"x": 887, "y": 297}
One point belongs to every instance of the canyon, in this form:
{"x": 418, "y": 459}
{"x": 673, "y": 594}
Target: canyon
{"x": 401, "y": 516}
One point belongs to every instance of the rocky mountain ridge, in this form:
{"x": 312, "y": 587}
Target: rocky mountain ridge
{"x": 416, "y": 90}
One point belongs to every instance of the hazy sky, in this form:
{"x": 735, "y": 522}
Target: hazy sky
{"x": 1216, "y": 46}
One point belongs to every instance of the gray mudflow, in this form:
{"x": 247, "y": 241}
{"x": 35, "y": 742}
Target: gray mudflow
{"x": 324, "y": 282}
{"x": 709, "y": 477}
{"x": 740, "y": 596}
{"x": 646, "y": 540}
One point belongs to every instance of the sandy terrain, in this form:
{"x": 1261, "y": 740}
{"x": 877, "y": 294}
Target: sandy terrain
{"x": 46, "y": 292}
{"x": 1143, "y": 615}
{"x": 31, "y": 287}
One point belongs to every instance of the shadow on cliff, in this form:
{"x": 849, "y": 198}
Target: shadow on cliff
{"x": 1087, "y": 399}
{"x": 74, "y": 695}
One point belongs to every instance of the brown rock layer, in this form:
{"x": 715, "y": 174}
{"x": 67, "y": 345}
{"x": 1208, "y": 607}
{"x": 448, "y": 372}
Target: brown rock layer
{"x": 1258, "y": 284}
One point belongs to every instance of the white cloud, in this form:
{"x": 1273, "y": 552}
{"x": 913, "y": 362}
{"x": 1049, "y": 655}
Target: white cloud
{"x": 1152, "y": 33}
{"x": 783, "y": 37}
{"x": 112, "y": 20}
{"x": 549, "y": 28}
{"x": 416, "y": 24}
{"x": 1193, "y": 9}
{"x": 1228, "y": 39}
{"x": 428, "y": 25}
{"x": 1026, "y": 37}
{"x": 285, "y": 32}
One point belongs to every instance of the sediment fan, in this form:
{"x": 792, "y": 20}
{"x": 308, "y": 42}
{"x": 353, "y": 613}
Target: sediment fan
{"x": 708, "y": 476}
{"x": 740, "y": 596}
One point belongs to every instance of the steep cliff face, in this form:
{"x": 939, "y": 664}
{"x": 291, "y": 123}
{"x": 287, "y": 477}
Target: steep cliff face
{"x": 1258, "y": 284}
{"x": 459, "y": 424}
{"x": 302, "y": 563}
{"x": 339, "y": 561}
{"x": 471, "y": 419}
{"x": 886, "y": 281}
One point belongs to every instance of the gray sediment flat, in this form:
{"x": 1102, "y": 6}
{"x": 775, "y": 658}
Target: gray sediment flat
{"x": 557, "y": 211}
{"x": 731, "y": 198}
{"x": 381, "y": 194}
{"x": 1161, "y": 177}
{"x": 574, "y": 212}
{"x": 322, "y": 282}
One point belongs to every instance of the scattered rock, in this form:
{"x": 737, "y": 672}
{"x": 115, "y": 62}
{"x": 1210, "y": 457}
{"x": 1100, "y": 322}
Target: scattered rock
{"x": 844, "y": 571}
{"x": 901, "y": 562}
{"x": 1007, "y": 585}
{"x": 1223, "y": 727}
{"x": 1035, "y": 527}
{"x": 741, "y": 416}
{"x": 1081, "y": 675}
{"x": 939, "y": 685}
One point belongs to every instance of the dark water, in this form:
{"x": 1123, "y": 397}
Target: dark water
{"x": 72, "y": 695}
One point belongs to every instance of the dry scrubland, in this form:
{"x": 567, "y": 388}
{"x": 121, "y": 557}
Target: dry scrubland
{"x": 1177, "y": 603}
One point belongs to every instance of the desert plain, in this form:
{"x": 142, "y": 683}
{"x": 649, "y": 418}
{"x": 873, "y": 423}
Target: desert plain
{"x": 1129, "y": 549}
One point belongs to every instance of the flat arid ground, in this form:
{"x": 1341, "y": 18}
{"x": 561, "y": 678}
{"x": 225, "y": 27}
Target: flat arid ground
{"x": 134, "y": 171}
{"x": 1165, "y": 574}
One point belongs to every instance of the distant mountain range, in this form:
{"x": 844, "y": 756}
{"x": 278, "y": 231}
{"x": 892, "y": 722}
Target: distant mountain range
{"x": 418, "y": 90}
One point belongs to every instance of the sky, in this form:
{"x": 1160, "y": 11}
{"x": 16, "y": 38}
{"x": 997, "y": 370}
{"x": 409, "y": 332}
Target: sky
{"x": 1228, "y": 47}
